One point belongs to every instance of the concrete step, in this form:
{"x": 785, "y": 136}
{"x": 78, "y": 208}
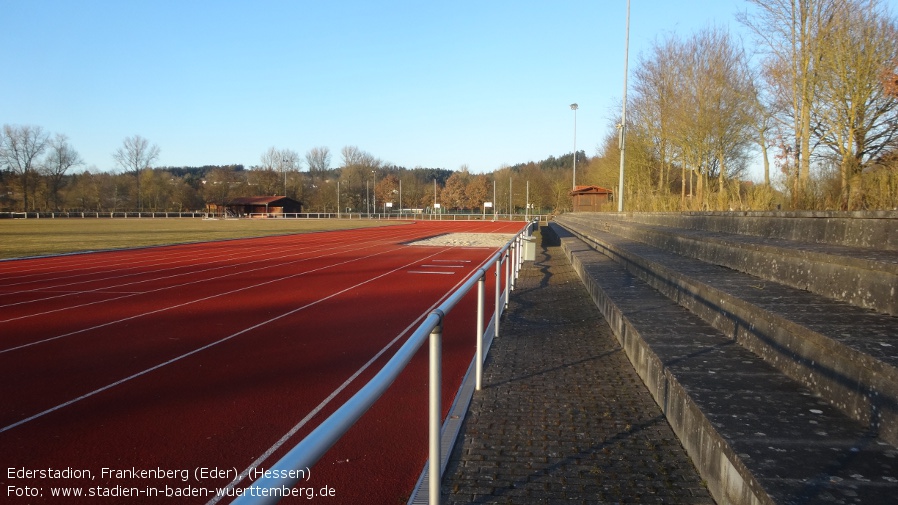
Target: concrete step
{"x": 868, "y": 230}
{"x": 863, "y": 276}
{"x": 845, "y": 354}
{"x": 756, "y": 435}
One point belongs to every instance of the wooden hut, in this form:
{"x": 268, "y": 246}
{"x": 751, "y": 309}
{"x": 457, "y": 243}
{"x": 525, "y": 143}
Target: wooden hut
{"x": 590, "y": 198}
{"x": 257, "y": 206}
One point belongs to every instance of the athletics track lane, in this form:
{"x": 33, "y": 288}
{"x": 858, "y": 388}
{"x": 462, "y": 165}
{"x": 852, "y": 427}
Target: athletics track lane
{"x": 159, "y": 291}
{"x": 226, "y": 405}
{"x": 41, "y": 291}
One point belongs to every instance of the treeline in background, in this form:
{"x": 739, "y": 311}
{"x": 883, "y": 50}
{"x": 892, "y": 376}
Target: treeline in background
{"x": 359, "y": 183}
{"x": 802, "y": 116}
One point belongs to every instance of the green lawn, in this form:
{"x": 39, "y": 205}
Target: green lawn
{"x": 36, "y": 237}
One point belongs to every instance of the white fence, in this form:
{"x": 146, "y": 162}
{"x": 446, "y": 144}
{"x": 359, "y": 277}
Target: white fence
{"x": 304, "y": 215}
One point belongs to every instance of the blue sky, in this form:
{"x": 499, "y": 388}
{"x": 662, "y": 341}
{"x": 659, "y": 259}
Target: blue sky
{"x": 431, "y": 84}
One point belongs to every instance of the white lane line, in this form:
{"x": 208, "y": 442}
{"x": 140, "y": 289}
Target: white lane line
{"x": 172, "y": 286}
{"x": 164, "y": 259}
{"x": 430, "y": 272}
{"x": 143, "y": 257}
{"x": 442, "y": 266}
{"x": 199, "y": 349}
{"x": 289, "y": 434}
{"x": 175, "y": 263}
{"x": 266, "y": 259}
{"x": 170, "y": 307}
{"x": 89, "y": 292}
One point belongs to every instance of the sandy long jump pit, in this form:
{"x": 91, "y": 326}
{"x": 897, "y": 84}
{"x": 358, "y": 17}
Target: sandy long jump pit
{"x": 491, "y": 240}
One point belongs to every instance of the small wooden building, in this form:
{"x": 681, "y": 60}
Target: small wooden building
{"x": 590, "y": 198}
{"x": 257, "y": 206}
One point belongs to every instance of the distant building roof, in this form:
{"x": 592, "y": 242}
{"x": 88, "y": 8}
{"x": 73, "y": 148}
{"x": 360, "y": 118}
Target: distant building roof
{"x": 591, "y": 190}
{"x": 257, "y": 200}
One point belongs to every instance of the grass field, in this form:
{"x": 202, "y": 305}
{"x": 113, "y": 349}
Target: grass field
{"x": 37, "y": 237}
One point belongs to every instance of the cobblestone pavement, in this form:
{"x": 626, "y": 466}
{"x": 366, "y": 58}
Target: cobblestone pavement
{"x": 563, "y": 417}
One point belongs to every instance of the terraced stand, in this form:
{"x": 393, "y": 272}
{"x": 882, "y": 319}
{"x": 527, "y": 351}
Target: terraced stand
{"x": 769, "y": 340}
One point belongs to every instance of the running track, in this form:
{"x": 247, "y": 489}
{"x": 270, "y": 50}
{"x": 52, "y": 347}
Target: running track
{"x": 224, "y": 355}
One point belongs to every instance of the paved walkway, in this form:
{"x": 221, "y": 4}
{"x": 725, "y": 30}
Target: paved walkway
{"x": 563, "y": 417}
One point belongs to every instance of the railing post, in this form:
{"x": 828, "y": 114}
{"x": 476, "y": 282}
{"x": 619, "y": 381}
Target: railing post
{"x": 507, "y": 276}
{"x": 434, "y": 477}
{"x": 478, "y": 368}
{"x": 514, "y": 262}
{"x": 498, "y": 292}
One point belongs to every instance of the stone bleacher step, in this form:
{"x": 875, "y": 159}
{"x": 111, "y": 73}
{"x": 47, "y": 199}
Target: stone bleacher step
{"x": 862, "y": 276}
{"x": 845, "y": 354}
{"x": 755, "y": 435}
{"x": 876, "y": 230}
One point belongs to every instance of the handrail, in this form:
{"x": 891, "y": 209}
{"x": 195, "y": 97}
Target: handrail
{"x": 285, "y": 473}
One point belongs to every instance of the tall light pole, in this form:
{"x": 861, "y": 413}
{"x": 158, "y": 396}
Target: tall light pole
{"x": 623, "y": 120}
{"x": 284, "y": 165}
{"x": 510, "y": 202}
{"x": 374, "y": 191}
{"x": 527, "y": 207}
{"x": 574, "y": 107}
{"x": 495, "y": 203}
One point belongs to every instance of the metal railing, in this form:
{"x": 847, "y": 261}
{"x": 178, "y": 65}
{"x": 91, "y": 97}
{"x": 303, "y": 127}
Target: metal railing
{"x": 287, "y": 471}
{"x": 420, "y": 216}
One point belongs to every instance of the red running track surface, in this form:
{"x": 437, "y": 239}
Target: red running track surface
{"x": 154, "y": 363}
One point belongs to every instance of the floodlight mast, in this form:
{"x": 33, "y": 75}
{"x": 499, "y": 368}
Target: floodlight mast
{"x": 623, "y": 121}
{"x": 574, "y": 107}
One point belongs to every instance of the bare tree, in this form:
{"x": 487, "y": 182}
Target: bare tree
{"x": 264, "y": 181}
{"x": 352, "y": 155}
{"x": 692, "y": 106}
{"x": 136, "y": 154}
{"x": 318, "y": 159}
{"x": 358, "y": 168}
{"x": 217, "y": 187}
{"x": 61, "y": 157}
{"x": 763, "y": 122}
{"x": 280, "y": 161}
{"x": 20, "y": 147}
{"x": 270, "y": 159}
{"x": 290, "y": 165}
{"x": 730, "y": 105}
{"x": 790, "y": 32}
{"x": 654, "y": 104}
{"x": 854, "y": 116}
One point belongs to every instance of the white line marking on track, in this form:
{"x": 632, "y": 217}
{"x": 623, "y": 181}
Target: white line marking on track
{"x": 265, "y": 261}
{"x": 430, "y": 272}
{"x": 203, "y": 348}
{"x": 170, "y": 307}
{"x": 90, "y": 292}
{"x": 277, "y": 445}
{"x": 289, "y": 434}
{"x": 241, "y": 272}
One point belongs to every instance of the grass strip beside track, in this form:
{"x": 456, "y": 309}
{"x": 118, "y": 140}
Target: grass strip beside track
{"x": 21, "y": 238}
